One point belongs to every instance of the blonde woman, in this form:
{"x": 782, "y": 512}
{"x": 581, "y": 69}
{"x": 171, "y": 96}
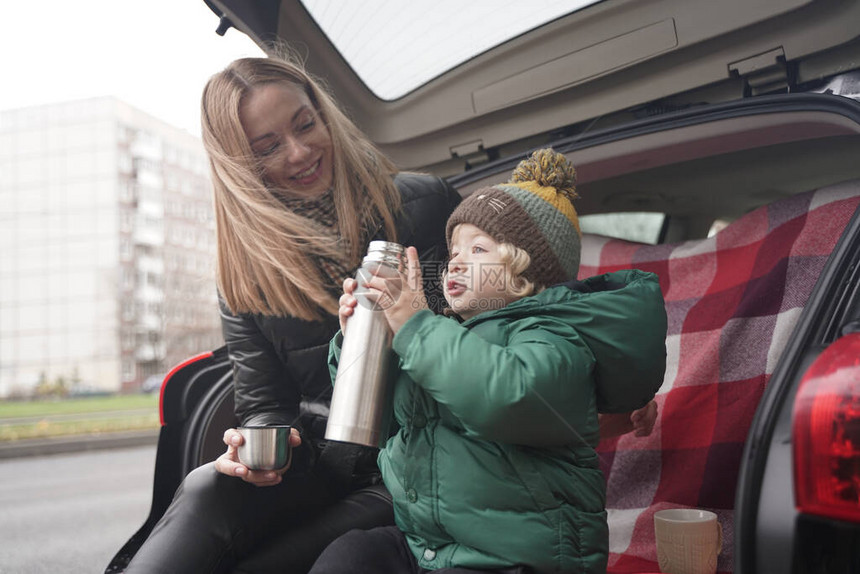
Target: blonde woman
{"x": 299, "y": 192}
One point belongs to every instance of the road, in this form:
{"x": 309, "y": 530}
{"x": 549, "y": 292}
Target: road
{"x": 70, "y": 513}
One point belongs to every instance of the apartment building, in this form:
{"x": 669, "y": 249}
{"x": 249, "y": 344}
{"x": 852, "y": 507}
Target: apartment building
{"x": 106, "y": 247}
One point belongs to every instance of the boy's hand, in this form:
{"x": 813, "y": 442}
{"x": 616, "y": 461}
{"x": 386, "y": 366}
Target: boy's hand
{"x": 643, "y": 419}
{"x": 640, "y": 422}
{"x": 347, "y": 303}
{"x": 403, "y": 296}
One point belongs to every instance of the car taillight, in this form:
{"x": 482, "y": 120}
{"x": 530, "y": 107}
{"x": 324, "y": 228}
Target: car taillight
{"x": 826, "y": 433}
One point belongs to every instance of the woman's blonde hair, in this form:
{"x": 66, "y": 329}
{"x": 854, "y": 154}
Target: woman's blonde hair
{"x": 267, "y": 256}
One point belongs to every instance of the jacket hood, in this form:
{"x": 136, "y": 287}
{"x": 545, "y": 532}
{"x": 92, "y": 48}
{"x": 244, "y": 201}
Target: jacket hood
{"x": 621, "y": 316}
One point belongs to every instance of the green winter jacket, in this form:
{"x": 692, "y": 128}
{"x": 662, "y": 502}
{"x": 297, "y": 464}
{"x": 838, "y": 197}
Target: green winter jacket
{"x": 493, "y": 461}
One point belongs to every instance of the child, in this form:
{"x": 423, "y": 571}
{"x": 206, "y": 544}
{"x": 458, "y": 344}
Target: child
{"x": 493, "y": 466}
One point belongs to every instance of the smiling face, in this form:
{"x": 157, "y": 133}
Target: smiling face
{"x": 289, "y": 139}
{"x": 478, "y": 277}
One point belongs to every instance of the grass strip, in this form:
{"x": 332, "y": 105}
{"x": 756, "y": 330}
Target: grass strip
{"x": 10, "y": 409}
{"x": 74, "y": 416}
{"x": 47, "y": 428}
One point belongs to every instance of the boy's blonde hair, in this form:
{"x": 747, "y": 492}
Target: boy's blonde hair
{"x": 518, "y": 260}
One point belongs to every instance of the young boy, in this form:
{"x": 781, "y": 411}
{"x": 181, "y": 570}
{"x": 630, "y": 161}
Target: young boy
{"x": 493, "y": 466}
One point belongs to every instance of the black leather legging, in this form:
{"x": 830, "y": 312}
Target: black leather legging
{"x": 220, "y": 524}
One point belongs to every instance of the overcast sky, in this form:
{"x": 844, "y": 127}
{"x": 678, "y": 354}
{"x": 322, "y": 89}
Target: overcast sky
{"x": 154, "y": 54}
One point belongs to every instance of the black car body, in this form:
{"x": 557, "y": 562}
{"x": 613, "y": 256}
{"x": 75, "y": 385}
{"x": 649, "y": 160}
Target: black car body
{"x": 699, "y": 112}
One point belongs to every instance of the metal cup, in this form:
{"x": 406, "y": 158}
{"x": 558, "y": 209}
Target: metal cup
{"x": 265, "y": 447}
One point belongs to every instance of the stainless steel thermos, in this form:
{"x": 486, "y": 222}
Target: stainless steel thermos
{"x": 360, "y": 392}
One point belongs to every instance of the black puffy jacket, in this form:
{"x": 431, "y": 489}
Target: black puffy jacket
{"x": 280, "y": 368}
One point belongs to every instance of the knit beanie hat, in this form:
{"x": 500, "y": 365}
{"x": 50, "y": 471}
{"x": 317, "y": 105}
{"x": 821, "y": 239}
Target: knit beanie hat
{"x": 534, "y": 212}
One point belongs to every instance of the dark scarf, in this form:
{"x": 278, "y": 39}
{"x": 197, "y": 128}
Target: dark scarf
{"x": 322, "y": 211}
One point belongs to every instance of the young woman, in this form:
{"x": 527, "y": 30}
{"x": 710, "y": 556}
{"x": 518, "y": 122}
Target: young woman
{"x": 299, "y": 193}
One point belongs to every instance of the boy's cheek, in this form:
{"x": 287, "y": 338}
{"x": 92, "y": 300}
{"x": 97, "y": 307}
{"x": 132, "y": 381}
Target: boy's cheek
{"x": 493, "y": 278}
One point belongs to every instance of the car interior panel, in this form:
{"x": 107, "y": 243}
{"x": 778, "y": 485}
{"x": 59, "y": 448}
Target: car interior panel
{"x": 727, "y": 47}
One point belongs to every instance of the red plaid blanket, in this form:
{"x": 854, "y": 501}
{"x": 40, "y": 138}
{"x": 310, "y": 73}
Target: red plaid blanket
{"x": 732, "y": 300}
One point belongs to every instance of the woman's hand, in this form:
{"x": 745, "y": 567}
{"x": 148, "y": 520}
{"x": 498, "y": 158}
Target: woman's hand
{"x": 402, "y": 296}
{"x": 228, "y": 463}
{"x": 347, "y": 303}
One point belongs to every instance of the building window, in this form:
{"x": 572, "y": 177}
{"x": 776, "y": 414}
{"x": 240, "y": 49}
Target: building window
{"x": 127, "y": 278}
{"x": 128, "y": 341}
{"x": 127, "y": 370}
{"x": 125, "y": 249}
{"x": 128, "y": 310}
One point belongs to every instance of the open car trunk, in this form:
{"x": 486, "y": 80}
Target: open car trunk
{"x": 705, "y": 113}
{"x": 605, "y": 64}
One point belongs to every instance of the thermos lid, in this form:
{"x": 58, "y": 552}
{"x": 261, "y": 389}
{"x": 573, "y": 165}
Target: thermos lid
{"x": 385, "y": 253}
{"x": 385, "y": 246}
{"x": 381, "y": 258}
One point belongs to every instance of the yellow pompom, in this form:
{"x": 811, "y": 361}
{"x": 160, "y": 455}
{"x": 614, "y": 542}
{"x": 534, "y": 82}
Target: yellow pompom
{"x": 548, "y": 168}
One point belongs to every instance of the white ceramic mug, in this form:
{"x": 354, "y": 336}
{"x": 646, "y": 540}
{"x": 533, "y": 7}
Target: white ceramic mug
{"x": 688, "y": 540}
